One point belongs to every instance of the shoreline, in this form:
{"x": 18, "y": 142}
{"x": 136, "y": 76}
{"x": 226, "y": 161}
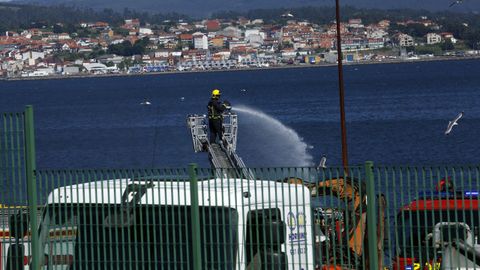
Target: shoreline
{"x": 320, "y": 65}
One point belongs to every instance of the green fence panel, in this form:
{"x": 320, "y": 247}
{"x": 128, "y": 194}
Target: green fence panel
{"x": 281, "y": 218}
{"x": 18, "y": 185}
{"x": 431, "y": 216}
{"x": 12, "y": 160}
{"x": 13, "y": 197}
{"x": 146, "y": 219}
{"x": 340, "y": 222}
{"x": 365, "y": 217}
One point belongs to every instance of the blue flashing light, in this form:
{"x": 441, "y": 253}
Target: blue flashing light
{"x": 446, "y": 194}
{"x": 408, "y": 267}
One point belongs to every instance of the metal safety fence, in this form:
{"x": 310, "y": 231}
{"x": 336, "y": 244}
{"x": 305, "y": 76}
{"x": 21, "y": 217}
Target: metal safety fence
{"x": 432, "y": 220}
{"x": 284, "y": 218}
{"x": 364, "y": 217}
{"x": 174, "y": 219}
{"x": 12, "y": 152}
{"x": 17, "y": 183}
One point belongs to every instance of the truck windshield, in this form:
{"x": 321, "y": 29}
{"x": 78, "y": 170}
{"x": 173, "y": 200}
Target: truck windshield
{"x": 414, "y": 226}
{"x": 143, "y": 237}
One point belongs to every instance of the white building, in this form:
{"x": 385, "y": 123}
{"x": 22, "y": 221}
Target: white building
{"x": 113, "y": 58}
{"x": 405, "y": 40}
{"x": 145, "y": 31}
{"x": 299, "y": 45}
{"x": 375, "y": 43}
{"x": 249, "y": 32}
{"x": 255, "y": 40}
{"x": 376, "y": 33}
{"x": 64, "y": 36}
{"x": 200, "y": 41}
{"x": 355, "y": 23}
{"x": 257, "y": 21}
{"x": 223, "y": 54}
{"x": 231, "y": 31}
{"x": 161, "y": 53}
{"x": 449, "y": 36}
{"x": 289, "y": 53}
{"x": 95, "y": 67}
{"x": 433, "y": 38}
{"x": 166, "y": 37}
{"x": 69, "y": 70}
{"x": 233, "y": 44}
{"x": 41, "y": 72}
{"x": 31, "y": 56}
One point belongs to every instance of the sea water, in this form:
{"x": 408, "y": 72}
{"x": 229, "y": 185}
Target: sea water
{"x": 395, "y": 113}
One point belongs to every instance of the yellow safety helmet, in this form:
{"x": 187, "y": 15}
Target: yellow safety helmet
{"x": 216, "y": 93}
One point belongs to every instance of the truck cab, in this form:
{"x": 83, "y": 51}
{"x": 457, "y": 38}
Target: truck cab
{"x": 439, "y": 230}
{"x": 146, "y": 224}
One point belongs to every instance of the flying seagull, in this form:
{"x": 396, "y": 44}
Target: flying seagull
{"x": 456, "y": 2}
{"x": 322, "y": 163}
{"x": 145, "y": 102}
{"x": 453, "y": 123}
{"x": 287, "y": 15}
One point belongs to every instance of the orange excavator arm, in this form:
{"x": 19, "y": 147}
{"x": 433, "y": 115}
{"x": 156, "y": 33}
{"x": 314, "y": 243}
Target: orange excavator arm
{"x": 349, "y": 191}
{"x": 353, "y": 192}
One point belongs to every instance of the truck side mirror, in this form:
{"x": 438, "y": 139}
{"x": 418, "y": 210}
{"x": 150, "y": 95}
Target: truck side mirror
{"x": 274, "y": 235}
{"x": 266, "y": 232}
{"x": 274, "y": 232}
{"x": 18, "y": 224}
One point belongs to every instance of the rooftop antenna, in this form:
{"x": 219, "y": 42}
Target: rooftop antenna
{"x": 341, "y": 89}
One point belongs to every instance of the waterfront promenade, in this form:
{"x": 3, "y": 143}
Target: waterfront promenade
{"x": 279, "y": 66}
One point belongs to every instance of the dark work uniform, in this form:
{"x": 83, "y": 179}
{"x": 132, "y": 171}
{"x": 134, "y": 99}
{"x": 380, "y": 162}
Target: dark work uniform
{"x": 215, "y": 119}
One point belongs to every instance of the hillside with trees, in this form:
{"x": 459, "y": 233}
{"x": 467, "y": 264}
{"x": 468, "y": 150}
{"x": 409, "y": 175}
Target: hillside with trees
{"x": 17, "y": 17}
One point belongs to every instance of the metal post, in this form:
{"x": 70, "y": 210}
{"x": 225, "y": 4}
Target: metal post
{"x": 197, "y": 252}
{"x": 371, "y": 217}
{"x": 30, "y": 170}
{"x": 341, "y": 89}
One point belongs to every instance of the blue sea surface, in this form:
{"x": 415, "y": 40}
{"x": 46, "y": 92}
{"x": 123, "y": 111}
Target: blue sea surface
{"x": 396, "y": 114}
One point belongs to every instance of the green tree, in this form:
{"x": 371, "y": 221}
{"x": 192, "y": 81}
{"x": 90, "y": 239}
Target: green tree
{"x": 97, "y": 51}
{"x": 127, "y": 49}
{"x": 124, "y": 48}
{"x": 447, "y": 45}
{"x": 120, "y": 31}
{"x": 69, "y": 28}
{"x": 66, "y": 56}
{"x": 57, "y": 29}
{"x": 122, "y": 66}
{"x": 83, "y": 33}
{"x": 418, "y": 30}
{"x": 428, "y": 49}
{"x": 472, "y": 38}
{"x": 414, "y": 30}
{"x": 140, "y": 45}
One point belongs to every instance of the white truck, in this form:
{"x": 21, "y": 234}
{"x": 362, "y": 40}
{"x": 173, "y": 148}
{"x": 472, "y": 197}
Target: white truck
{"x": 147, "y": 224}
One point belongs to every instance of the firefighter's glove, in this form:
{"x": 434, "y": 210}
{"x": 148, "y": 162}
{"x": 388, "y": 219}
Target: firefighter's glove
{"x": 227, "y": 105}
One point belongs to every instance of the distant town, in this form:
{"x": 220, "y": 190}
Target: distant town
{"x": 136, "y": 47}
